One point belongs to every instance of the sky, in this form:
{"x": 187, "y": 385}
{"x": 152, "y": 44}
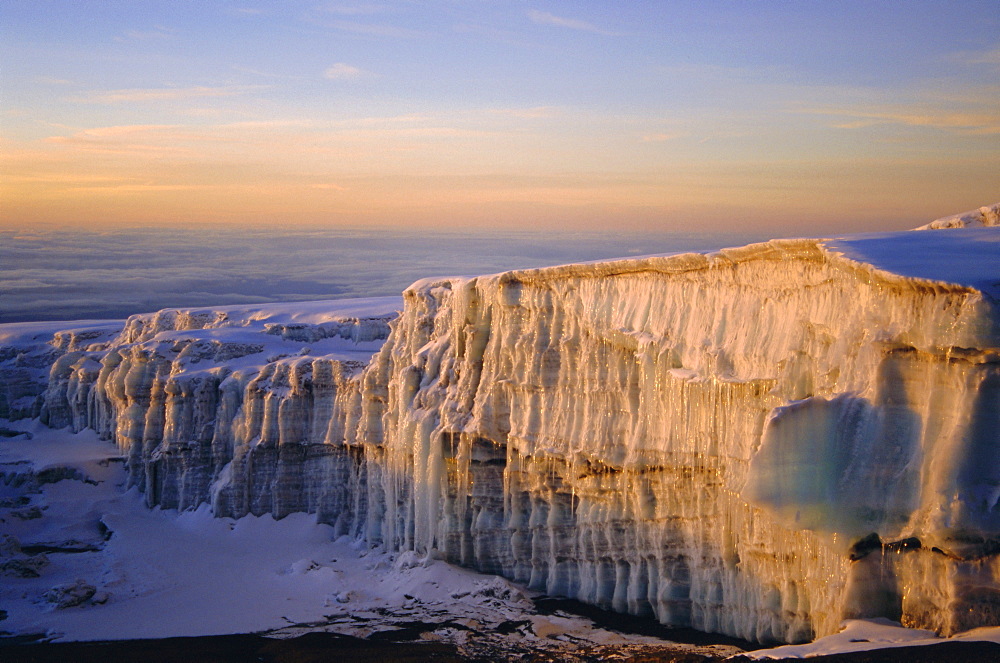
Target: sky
{"x": 783, "y": 117}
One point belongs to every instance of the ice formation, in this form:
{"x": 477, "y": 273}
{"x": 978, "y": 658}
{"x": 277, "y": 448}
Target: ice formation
{"x": 761, "y": 441}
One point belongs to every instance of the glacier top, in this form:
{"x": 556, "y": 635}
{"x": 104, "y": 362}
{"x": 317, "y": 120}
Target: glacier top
{"x": 962, "y": 256}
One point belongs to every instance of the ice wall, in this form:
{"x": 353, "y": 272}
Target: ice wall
{"x": 759, "y": 442}
{"x": 251, "y": 410}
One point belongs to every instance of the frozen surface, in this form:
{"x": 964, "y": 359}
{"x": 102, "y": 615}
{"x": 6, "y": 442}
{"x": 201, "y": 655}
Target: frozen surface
{"x": 968, "y": 257}
{"x": 761, "y": 441}
{"x": 983, "y": 217}
{"x": 865, "y": 635}
{"x": 157, "y": 573}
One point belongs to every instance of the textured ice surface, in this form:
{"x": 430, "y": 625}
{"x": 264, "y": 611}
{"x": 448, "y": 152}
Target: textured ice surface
{"x": 761, "y": 441}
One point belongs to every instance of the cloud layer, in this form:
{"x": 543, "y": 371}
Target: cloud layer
{"x": 65, "y": 275}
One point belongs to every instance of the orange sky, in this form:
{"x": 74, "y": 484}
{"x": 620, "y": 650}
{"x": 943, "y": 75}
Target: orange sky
{"x": 494, "y": 115}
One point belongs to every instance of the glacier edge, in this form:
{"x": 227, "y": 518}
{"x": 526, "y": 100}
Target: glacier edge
{"x": 760, "y": 441}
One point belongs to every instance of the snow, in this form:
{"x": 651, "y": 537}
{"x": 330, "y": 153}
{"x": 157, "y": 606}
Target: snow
{"x": 164, "y": 573}
{"x": 966, "y": 256}
{"x": 986, "y": 216}
{"x": 24, "y": 334}
{"x": 867, "y": 634}
{"x": 167, "y": 573}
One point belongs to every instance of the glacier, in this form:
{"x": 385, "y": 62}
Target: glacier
{"x": 761, "y": 441}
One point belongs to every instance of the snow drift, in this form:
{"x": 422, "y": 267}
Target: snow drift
{"x": 761, "y": 441}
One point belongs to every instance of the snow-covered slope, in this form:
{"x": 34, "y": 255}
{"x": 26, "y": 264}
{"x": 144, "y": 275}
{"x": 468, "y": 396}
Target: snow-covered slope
{"x": 983, "y": 217}
{"x": 762, "y": 441}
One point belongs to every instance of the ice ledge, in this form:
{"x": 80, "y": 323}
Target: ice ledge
{"x": 963, "y": 256}
{"x": 962, "y": 259}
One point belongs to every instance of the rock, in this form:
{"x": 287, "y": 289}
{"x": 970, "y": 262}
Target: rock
{"x": 10, "y": 546}
{"x": 24, "y": 567}
{"x": 70, "y": 595}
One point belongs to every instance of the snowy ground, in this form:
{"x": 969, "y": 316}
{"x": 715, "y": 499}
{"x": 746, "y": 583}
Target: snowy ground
{"x": 135, "y": 572}
{"x": 859, "y": 635}
{"x": 140, "y": 573}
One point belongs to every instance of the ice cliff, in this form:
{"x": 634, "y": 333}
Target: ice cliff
{"x": 760, "y": 441}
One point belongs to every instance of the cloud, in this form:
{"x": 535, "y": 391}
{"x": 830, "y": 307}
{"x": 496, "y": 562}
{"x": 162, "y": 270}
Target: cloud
{"x": 50, "y": 80}
{"x": 343, "y": 72}
{"x": 132, "y": 95}
{"x": 659, "y": 137}
{"x": 268, "y": 125}
{"x": 963, "y": 123}
{"x": 391, "y": 120}
{"x": 116, "y": 189}
{"x": 124, "y": 130}
{"x": 147, "y": 140}
{"x": 62, "y": 178}
{"x": 111, "y": 273}
{"x": 536, "y": 112}
{"x": 374, "y": 29}
{"x": 353, "y": 10}
{"x": 991, "y": 56}
{"x": 159, "y": 32}
{"x": 545, "y": 18}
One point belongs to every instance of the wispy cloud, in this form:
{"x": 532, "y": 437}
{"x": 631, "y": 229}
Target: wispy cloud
{"x": 341, "y": 71}
{"x": 534, "y": 113}
{"x": 390, "y": 120}
{"x": 158, "y": 32}
{"x": 148, "y": 187}
{"x": 545, "y": 18}
{"x": 375, "y": 29}
{"x": 51, "y": 80}
{"x": 353, "y": 10}
{"x": 165, "y": 94}
{"x": 146, "y": 139}
{"x": 989, "y": 57}
{"x": 262, "y": 73}
{"x": 125, "y": 130}
{"x": 660, "y": 137}
{"x": 204, "y": 141}
{"x": 258, "y": 125}
{"x": 965, "y": 123}
{"x": 63, "y": 178}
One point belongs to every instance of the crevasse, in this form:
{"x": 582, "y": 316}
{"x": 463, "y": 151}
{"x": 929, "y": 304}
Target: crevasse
{"x": 759, "y": 442}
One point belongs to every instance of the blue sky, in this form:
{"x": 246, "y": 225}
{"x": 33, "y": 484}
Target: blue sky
{"x": 644, "y": 115}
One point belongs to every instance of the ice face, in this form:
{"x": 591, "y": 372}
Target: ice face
{"x": 704, "y": 438}
{"x": 760, "y": 441}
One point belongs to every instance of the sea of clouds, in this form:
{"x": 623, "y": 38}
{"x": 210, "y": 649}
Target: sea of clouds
{"x": 52, "y": 274}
